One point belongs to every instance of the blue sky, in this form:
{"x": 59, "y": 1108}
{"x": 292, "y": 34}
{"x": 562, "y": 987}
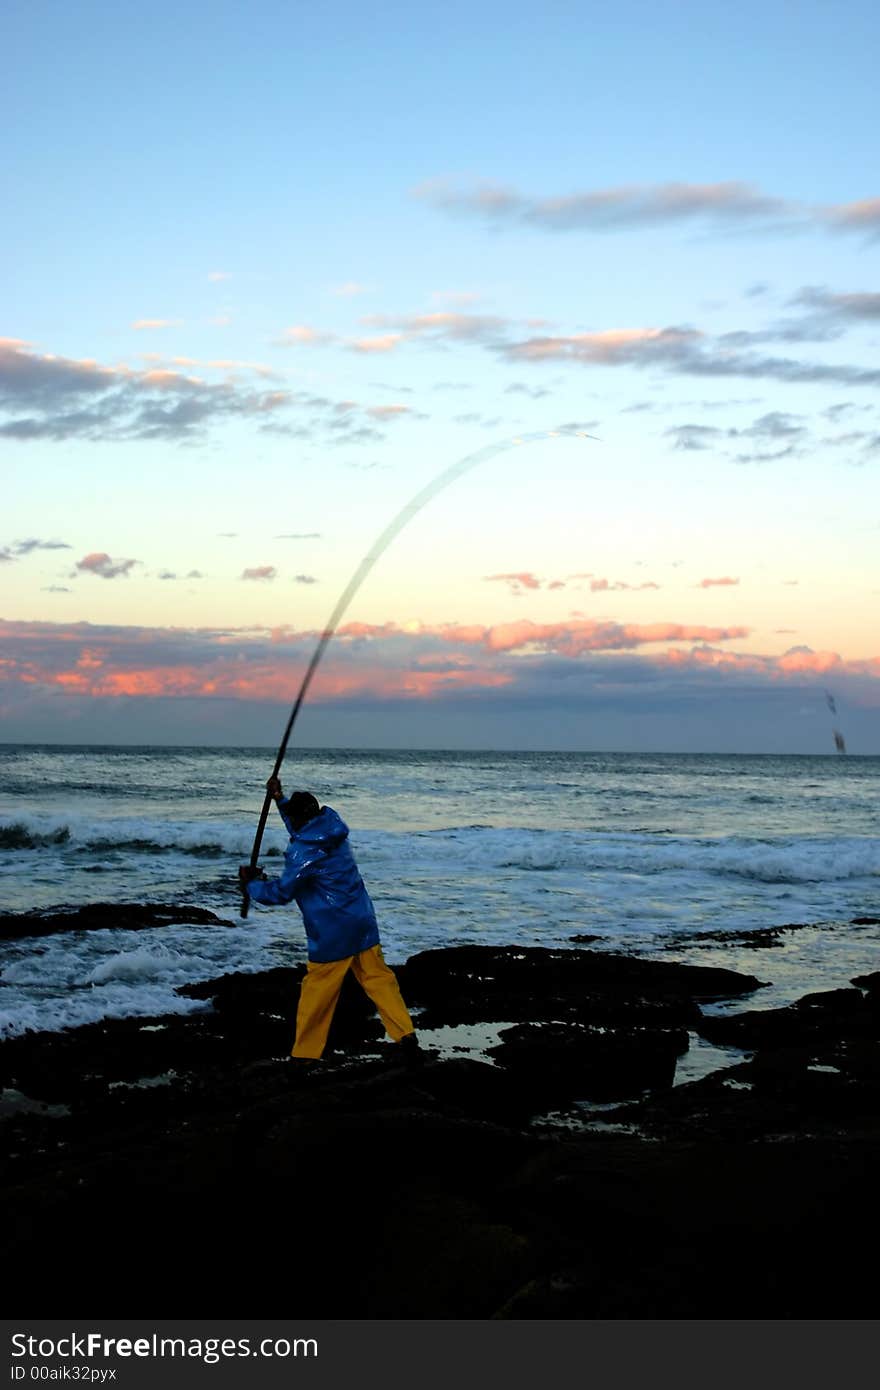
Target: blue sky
{"x": 271, "y": 268}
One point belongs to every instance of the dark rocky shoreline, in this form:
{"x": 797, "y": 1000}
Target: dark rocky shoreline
{"x": 172, "y": 1164}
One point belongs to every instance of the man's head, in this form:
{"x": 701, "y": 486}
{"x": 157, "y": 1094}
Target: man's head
{"x": 301, "y": 808}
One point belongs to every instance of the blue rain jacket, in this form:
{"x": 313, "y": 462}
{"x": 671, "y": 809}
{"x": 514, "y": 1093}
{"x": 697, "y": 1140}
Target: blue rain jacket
{"x": 321, "y": 874}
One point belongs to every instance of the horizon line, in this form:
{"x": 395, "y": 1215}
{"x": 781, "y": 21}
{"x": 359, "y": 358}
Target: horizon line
{"x": 431, "y": 748}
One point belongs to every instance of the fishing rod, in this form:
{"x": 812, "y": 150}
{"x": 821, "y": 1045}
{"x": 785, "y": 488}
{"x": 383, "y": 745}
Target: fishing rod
{"x": 380, "y": 545}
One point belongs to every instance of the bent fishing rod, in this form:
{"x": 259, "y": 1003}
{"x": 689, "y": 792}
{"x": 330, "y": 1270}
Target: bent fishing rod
{"x": 380, "y": 545}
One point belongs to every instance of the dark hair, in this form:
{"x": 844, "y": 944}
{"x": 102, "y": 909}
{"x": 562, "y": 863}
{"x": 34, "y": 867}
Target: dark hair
{"x": 301, "y": 808}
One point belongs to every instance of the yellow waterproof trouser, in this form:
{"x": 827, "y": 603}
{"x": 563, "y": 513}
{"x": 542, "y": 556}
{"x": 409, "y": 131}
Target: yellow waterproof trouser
{"x": 320, "y": 991}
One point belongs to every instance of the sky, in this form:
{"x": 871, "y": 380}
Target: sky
{"x": 272, "y": 269}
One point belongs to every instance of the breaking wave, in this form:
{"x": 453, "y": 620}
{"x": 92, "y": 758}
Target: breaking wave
{"x": 16, "y": 835}
{"x": 201, "y": 841}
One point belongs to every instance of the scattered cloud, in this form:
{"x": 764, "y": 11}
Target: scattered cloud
{"x": 723, "y": 582}
{"x": 685, "y": 351}
{"x": 519, "y": 388}
{"x": 774, "y": 426}
{"x": 349, "y": 289}
{"x": 56, "y": 589}
{"x": 304, "y": 335}
{"x": 304, "y": 579}
{"x": 517, "y": 582}
{"x": 219, "y": 275}
{"x": 522, "y": 580}
{"x": 694, "y": 437}
{"x": 599, "y": 586}
{"x": 857, "y": 306}
{"x": 718, "y": 207}
{"x": 605, "y": 209}
{"x": 101, "y": 564}
{"x": 386, "y": 342}
{"x": 440, "y": 324}
{"x": 298, "y": 536}
{"x": 18, "y": 548}
{"x": 141, "y": 324}
{"x": 260, "y": 572}
{"x": 389, "y": 412}
{"x": 44, "y": 396}
{"x": 231, "y": 365}
{"x": 860, "y": 216}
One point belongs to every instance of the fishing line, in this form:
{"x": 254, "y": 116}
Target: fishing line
{"x": 377, "y": 550}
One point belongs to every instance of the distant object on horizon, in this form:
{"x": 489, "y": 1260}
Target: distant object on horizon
{"x": 839, "y": 741}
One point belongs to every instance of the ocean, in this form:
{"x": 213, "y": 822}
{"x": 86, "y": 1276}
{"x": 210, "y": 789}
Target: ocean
{"x": 648, "y": 853}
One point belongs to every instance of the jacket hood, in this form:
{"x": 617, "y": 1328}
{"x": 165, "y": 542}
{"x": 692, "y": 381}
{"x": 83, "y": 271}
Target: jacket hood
{"x": 325, "y": 830}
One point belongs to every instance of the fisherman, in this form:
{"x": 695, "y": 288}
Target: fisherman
{"x": 321, "y": 874}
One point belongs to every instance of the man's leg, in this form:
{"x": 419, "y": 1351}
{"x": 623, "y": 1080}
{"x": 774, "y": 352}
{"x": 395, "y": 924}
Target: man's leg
{"x": 317, "y": 1000}
{"x": 381, "y": 985}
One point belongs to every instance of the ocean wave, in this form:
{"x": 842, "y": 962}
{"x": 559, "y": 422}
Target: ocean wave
{"x": 17, "y": 835}
{"x": 793, "y": 860}
{"x": 136, "y": 837}
{"x": 72, "y": 980}
{"x": 472, "y": 849}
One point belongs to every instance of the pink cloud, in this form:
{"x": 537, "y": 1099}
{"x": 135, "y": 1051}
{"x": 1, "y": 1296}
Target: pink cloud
{"x": 573, "y": 638}
{"x": 442, "y": 323}
{"x": 522, "y": 580}
{"x": 602, "y": 586}
{"x": 141, "y": 324}
{"x": 612, "y": 347}
{"x": 100, "y": 563}
{"x": 304, "y": 334}
{"x": 723, "y": 582}
{"x": 388, "y": 412}
{"x": 796, "y": 661}
{"x": 386, "y": 342}
{"x": 260, "y": 572}
{"x": 382, "y": 661}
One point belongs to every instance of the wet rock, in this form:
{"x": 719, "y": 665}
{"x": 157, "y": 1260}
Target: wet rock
{"x": 100, "y": 916}
{"x": 272, "y": 995}
{"x": 869, "y": 982}
{"x": 816, "y": 1018}
{"x": 470, "y": 984}
{"x": 674, "y": 1228}
{"x": 564, "y": 1061}
{"x": 388, "y": 1193}
{"x": 763, "y": 938}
